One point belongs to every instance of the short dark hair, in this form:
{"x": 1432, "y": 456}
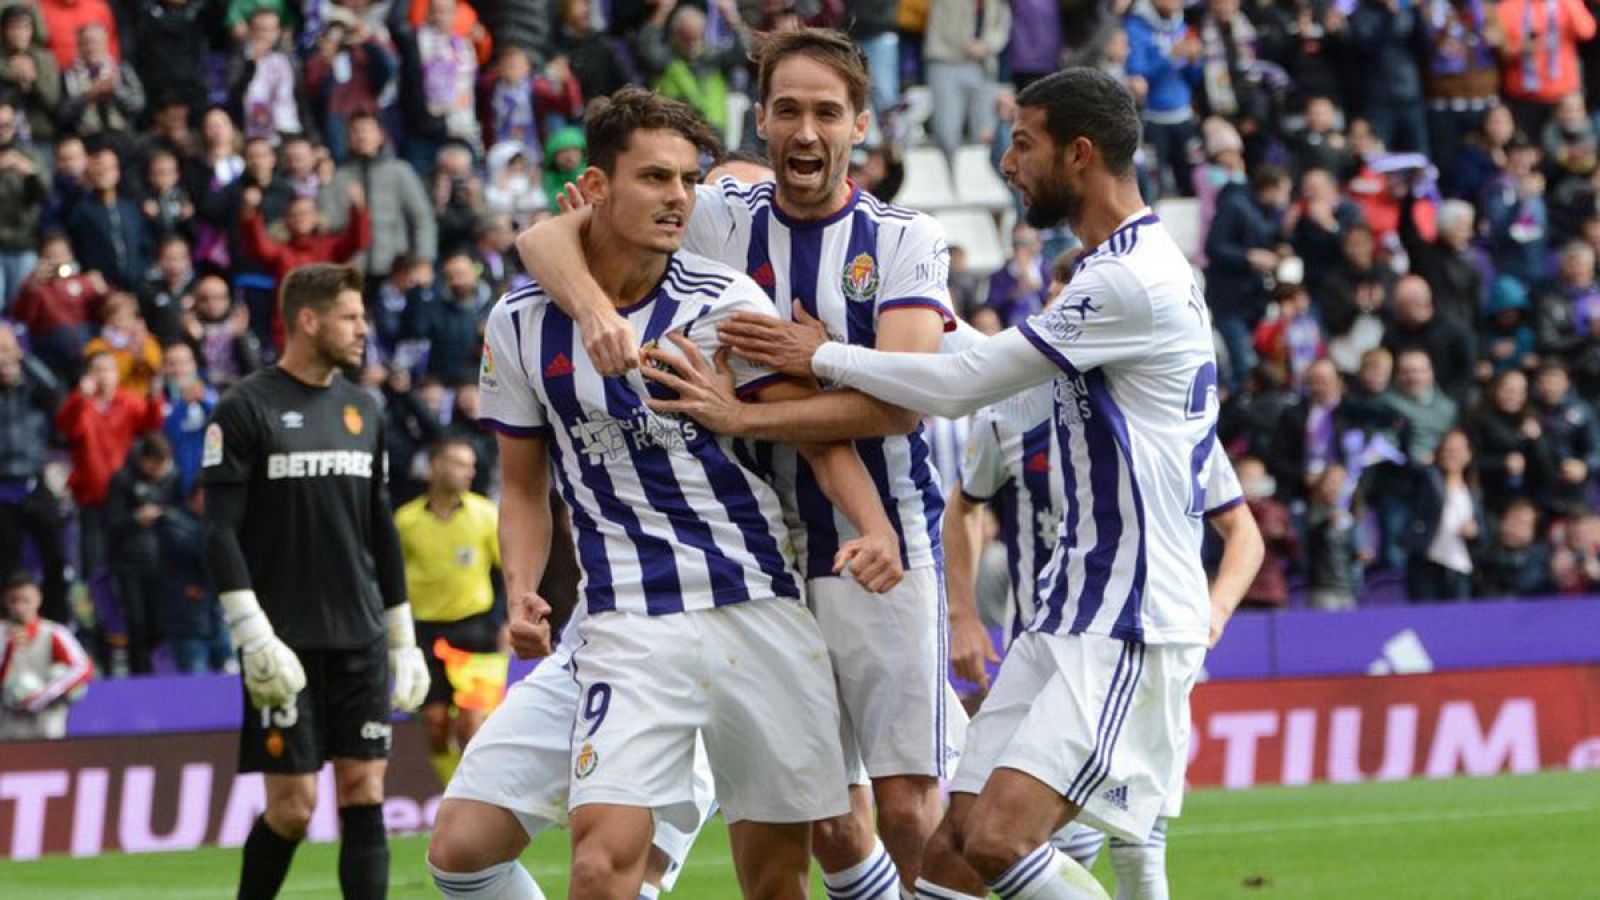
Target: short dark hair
{"x": 153, "y": 447}
{"x": 315, "y": 287}
{"x": 14, "y": 12}
{"x": 827, "y": 46}
{"x": 17, "y": 579}
{"x": 50, "y": 236}
{"x": 1088, "y": 103}
{"x": 611, "y": 121}
{"x": 1267, "y": 176}
{"x": 445, "y": 443}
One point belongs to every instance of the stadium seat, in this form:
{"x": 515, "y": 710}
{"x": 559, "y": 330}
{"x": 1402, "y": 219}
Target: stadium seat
{"x": 1181, "y": 215}
{"x": 927, "y": 186}
{"x": 976, "y": 182}
{"x": 975, "y": 232}
{"x": 738, "y": 105}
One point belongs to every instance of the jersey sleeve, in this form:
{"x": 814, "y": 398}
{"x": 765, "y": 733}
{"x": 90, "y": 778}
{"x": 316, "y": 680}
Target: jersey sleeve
{"x": 508, "y": 402}
{"x": 1103, "y": 318}
{"x": 232, "y": 443}
{"x": 743, "y": 295}
{"x": 1222, "y": 485}
{"x": 920, "y": 273}
{"x": 720, "y": 213}
{"x": 982, "y": 469}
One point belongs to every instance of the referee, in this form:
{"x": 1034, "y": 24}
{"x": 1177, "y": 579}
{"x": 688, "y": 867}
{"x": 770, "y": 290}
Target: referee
{"x": 307, "y": 564}
{"x": 450, "y": 541}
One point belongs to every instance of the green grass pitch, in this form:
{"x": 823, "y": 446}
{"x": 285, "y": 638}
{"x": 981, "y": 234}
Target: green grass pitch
{"x": 1532, "y": 836}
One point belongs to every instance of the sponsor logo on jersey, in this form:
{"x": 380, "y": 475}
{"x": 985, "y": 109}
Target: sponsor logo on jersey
{"x": 292, "y": 419}
{"x": 1064, "y": 319}
{"x": 558, "y": 367}
{"x": 1072, "y": 400}
{"x": 211, "y": 448}
{"x": 602, "y": 438}
{"x": 352, "y": 419}
{"x": 319, "y": 464}
{"x": 588, "y": 759}
{"x": 860, "y": 278}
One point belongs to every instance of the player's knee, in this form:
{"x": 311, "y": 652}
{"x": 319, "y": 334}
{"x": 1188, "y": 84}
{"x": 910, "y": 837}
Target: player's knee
{"x": 840, "y": 842}
{"x": 290, "y": 815}
{"x": 360, "y": 784}
{"x": 943, "y": 847}
{"x": 991, "y": 851}
{"x": 911, "y": 808}
{"x": 594, "y": 868}
{"x": 451, "y": 851}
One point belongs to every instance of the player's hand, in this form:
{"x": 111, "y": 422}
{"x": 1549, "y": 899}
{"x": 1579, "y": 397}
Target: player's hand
{"x": 705, "y": 391}
{"x": 1220, "y": 614}
{"x": 273, "y": 676}
{"x": 971, "y": 650}
{"x": 785, "y": 347}
{"x": 529, "y": 628}
{"x": 406, "y": 664}
{"x": 609, "y": 340}
{"x": 872, "y": 559}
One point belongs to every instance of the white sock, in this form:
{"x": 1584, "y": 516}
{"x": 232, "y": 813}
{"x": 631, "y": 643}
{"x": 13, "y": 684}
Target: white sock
{"x": 1080, "y": 842}
{"x": 874, "y": 878}
{"x": 507, "y": 881}
{"x": 649, "y": 891}
{"x": 927, "y": 890}
{"x": 1142, "y": 868}
{"x": 1047, "y": 874}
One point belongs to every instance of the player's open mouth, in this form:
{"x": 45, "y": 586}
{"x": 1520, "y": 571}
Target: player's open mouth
{"x": 670, "y": 220}
{"x": 805, "y": 166}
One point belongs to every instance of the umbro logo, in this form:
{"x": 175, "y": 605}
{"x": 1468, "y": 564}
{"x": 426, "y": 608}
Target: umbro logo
{"x": 558, "y": 367}
{"x": 1039, "y": 462}
{"x": 292, "y": 419}
{"x": 1118, "y": 797}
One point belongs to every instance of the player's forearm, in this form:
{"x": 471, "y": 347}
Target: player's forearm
{"x": 525, "y": 531}
{"x": 826, "y": 416}
{"x": 1242, "y": 554}
{"x": 944, "y": 384}
{"x": 552, "y": 252}
{"x": 388, "y": 558}
{"x": 224, "y": 557}
{"x": 845, "y": 482}
{"x": 963, "y": 536}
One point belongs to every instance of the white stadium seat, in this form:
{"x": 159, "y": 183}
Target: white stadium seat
{"x": 976, "y": 232}
{"x": 976, "y": 181}
{"x": 927, "y": 186}
{"x": 1181, "y": 215}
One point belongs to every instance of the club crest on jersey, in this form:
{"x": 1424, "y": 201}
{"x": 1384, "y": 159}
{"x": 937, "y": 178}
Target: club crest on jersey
{"x": 352, "y": 420}
{"x": 588, "y": 759}
{"x": 211, "y": 449}
{"x": 275, "y": 743}
{"x": 860, "y": 278}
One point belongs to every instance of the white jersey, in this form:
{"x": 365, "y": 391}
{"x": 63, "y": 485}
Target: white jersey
{"x": 1136, "y": 418}
{"x": 666, "y": 518}
{"x": 846, "y": 270}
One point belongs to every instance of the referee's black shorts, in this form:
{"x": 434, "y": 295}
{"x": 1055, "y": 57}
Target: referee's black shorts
{"x": 343, "y": 713}
{"x": 474, "y": 634}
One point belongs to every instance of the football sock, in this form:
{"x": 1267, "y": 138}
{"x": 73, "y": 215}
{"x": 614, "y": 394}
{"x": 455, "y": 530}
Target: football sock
{"x": 507, "y": 881}
{"x": 649, "y": 892}
{"x": 445, "y": 764}
{"x": 874, "y": 878}
{"x": 1142, "y": 868}
{"x": 1080, "y": 842}
{"x": 927, "y": 890}
{"x": 267, "y": 856}
{"x": 1047, "y": 874}
{"x": 363, "y": 852}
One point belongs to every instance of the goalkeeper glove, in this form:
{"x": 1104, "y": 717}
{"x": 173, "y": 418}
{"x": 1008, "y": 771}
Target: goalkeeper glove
{"x": 410, "y": 670}
{"x": 272, "y": 673}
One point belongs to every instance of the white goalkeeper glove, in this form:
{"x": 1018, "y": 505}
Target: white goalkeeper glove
{"x": 406, "y": 664}
{"x": 273, "y": 676}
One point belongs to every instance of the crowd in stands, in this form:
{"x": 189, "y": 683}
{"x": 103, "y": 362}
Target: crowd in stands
{"x": 1397, "y": 202}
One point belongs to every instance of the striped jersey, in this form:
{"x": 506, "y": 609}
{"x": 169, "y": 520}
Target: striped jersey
{"x": 847, "y": 270}
{"x": 665, "y": 517}
{"x": 1135, "y": 412}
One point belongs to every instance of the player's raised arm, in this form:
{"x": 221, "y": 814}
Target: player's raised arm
{"x": 553, "y": 253}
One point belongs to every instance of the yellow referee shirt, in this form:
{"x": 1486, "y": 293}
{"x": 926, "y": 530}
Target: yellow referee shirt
{"x": 448, "y": 560}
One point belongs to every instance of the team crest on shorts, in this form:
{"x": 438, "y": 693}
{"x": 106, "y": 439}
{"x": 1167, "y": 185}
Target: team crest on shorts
{"x": 860, "y": 278}
{"x": 588, "y": 759}
{"x": 274, "y": 743}
{"x": 352, "y": 420}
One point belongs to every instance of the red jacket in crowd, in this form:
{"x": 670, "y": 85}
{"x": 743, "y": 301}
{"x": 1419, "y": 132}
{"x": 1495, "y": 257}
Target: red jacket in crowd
{"x": 283, "y": 257}
{"x": 99, "y": 435}
{"x": 54, "y": 302}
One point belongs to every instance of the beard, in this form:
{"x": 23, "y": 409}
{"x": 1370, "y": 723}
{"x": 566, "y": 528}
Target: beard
{"x": 1049, "y": 211}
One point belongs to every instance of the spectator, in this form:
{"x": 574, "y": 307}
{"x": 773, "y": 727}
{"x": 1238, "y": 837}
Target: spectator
{"x": 239, "y": 12}
{"x": 57, "y": 305}
{"x": 195, "y": 630}
{"x": 1481, "y": 156}
{"x": 407, "y": 284}
{"x": 1516, "y": 215}
{"x": 465, "y": 23}
{"x": 593, "y": 59}
{"x": 44, "y": 669}
{"x": 1461, "y": 72}
{"x": 1311, "y": 439}
{"x": 673, "y": 49}
{"x": 1447, "y": 263}
{"x": 1322, "y": 145}
{"x": 1244, "y": 248}
{"x": 1165, "y": 54}
{"x": 512, "y": 120}
{"x": 965, "y": 284}
{"x": 100, "y": 421}
{"x": 1508, "y": 338}
{"x": 1446, "y": 526}
{"x": 168, "y": 132}
{"x": 1224, "y": 165}
{"x": 64, "y": 20}
{"x": 564, "y": 159}
{"x": 1569, "y": 140}
{"x": 465, "y": 425}
{"x": 1252, "y": 422}
{"x": 452, "y": 325}
{"x": 170, "y": 50}
{"x": 513, "y": 187}
{"x": 1449, "y": 346}
{"x": 438, "y": 73}
{"x": 264, "y": 82}
{"x": 101, "y": 96}
{"x": 1572, "y": 439}
{"x": 1517, "y": 562}
{"x": 1575, "y": 564}
{"x": 189, "y": 401}
{"x": 348, "y": 74}
{"x": 69, "y": 184}
{"x": 24, "y": 187}
{"x": 961, "y": 49}
{"x": 301, "y": 167}
{"x": 140, "y": 496}
{"x": 1333, "y": 543}
{"x": 125, "y": 338}
{"x": 30, "y": 73}
{"x": 161, "y": 301}
{"x": 401, "y": 217}
{"x": 409, "y": 428}
{"x": 1427, "y": 412}
{"x": 494, "y": 250}
{"x": 1540, "y": 55}
{"x": 107, "y": 229}
{"x": 168, "y": 211}
{"x": 1229, "y": 86}
{"x": 307, "y": 242}
{"x": 1290, "y": 336}
{"x": 1569, "y": 316}
{"x": 28, "y": 395}
{"x": 1270, "y": 587}
{"x": 1505, "y": 435}
{"x": 1356, "y": 301}
{"x": 458, "y": 198}
{"x": 1316, "y": 224}
{"x": 220, "y": 328}
{"x": 1017, "y": 289}
{"x": 1384, "y": 32}
{"x": 1036, "y": 47}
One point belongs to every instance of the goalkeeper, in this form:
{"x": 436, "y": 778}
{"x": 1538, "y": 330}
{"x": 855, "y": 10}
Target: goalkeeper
{"x": 308, "y": 567}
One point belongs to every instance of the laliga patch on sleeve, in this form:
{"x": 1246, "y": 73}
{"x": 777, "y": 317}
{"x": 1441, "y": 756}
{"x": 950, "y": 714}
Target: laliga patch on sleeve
{"x": 211, "y": 450}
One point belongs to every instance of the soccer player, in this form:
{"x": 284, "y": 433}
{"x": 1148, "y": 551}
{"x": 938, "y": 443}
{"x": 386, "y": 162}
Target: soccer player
{"x": 448, "y": 538}
{"x": 876, "y": 275}
{"x": 308, "y": 568}
{"x": 691, "y": 621}
{"x": 1083, "y": 722}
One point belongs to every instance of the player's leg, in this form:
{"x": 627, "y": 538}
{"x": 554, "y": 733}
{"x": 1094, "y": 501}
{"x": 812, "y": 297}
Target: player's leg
{"x": 908, "y": 812}
{"x": 473, "y": 852}
{"x": 945, "y": 873}
{"x": 467, "y": 723}
{"x": 284, "y": 744}
{"x": 610, "y": 845}
{"x": 1007, "y": 841}
{"x": 851, "y": 855}
{"x": 363, "y": 844}
{"x": 1141, "y": 866}
{"x": 277, "y": 833}
{"x": 771, "y": 859}
{"x": 357, "y": 720}
{"x": 1080, "y": 842}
